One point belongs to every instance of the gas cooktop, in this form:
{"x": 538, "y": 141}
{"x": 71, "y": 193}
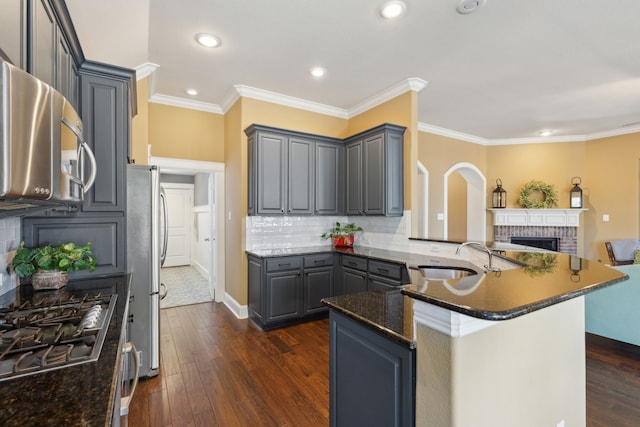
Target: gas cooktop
{"x": 52, "y": 333}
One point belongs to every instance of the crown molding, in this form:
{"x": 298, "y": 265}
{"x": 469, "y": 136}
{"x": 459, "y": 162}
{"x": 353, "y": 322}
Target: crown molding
{"x": 288, "y": 101}
{"x": 186, "y": 103}
{"x": 145, "y": 70}
{"x": 411, "y": 84}
{"x": 425, "y": 127}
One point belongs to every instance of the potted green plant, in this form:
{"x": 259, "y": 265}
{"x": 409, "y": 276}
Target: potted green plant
{"x": 49, "y": 265}
{"x": 342, "y": 235}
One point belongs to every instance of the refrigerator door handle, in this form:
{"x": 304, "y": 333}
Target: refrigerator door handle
{"x": 163, "y": 255}
{"x": 163, "y": 295}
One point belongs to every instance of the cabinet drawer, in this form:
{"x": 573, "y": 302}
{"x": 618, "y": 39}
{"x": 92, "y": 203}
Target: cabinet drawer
{"x": 282, "y": 264}
{"x": 320, "y": 260}
{"x": 386, "y": 269}
{"x": 354, "y": 262}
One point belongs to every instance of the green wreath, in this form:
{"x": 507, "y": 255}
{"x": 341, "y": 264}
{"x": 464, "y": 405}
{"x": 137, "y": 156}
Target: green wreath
{"x": 548, "y": 191}
{"x": 538, "y": 263}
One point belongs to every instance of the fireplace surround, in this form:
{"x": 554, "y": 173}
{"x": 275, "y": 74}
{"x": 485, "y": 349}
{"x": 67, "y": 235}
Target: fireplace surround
{"x": 560, "y": 224}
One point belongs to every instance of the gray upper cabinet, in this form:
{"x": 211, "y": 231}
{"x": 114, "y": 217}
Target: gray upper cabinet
{"x": 13, "y": 31}
{"x": 42, "y": 58}
{"x": 285, "y": 176}
{"x": 329, "y": 171}
{"x": 375, "y": 181}
{"x": 293, "y": 173}
{"x": 105, "y": 98}
{"x": 301, "y": 177}
{"x": 271, "y": 173}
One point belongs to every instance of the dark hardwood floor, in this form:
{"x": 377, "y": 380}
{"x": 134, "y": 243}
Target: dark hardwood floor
{"x": 217, "y": 370}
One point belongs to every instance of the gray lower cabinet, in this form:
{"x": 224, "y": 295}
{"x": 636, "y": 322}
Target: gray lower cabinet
{"x": 288, "y": 290}
{"x": 354, "y": 274}
{"x": 105, "y": 233}
{"x": 385, "y": 275}
{"x": 372, "y": 378}
{"x": 374, "y": 175}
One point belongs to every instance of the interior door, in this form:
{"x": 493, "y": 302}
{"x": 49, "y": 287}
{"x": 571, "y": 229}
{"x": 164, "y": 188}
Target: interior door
{"x": 180, "y": 207}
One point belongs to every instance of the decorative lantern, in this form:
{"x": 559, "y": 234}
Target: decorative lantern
{"x": 499, "y": 196}
{"x": 576, "y": 192}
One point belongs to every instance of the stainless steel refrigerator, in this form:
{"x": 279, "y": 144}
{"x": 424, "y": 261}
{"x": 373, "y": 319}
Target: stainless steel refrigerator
{"x": 146, "y": 250}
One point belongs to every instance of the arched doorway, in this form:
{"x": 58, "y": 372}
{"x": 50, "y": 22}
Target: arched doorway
{"x": 473, "y": 208}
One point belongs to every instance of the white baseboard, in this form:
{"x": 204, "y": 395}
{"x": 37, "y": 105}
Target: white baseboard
{"x": 241, "y": 311}
{"x": 203, "y": 271}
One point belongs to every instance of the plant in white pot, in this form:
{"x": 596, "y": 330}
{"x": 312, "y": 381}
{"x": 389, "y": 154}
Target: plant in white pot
{"x": 48, "y": 265}
{"x": 342, "y": 235}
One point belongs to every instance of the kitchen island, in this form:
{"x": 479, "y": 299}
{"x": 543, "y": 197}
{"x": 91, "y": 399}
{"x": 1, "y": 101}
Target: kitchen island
{"x": 491, "y": 349}
{"x": 79, "y": 395}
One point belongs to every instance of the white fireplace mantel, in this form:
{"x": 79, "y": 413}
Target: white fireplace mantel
{"x": 537, "y": 217}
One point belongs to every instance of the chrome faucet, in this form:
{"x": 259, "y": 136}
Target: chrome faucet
{"x": 487, "y": 268}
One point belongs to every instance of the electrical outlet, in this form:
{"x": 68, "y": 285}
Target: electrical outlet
{"x": 440, "y": 216}
{"x": 605, "y": 217}
{"x": 140, "y": 358}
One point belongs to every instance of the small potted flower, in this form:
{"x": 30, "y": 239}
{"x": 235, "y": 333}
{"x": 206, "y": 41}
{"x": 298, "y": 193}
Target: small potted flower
{"x": 48, "y": 265}
{"x": 342, "y": 235}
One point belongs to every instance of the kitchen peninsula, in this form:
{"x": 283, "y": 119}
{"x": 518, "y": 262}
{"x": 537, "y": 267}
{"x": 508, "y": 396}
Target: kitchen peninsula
{"x": 499, "y": 348}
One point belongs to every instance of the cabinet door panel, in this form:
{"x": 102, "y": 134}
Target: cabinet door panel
{"x": 301, "y": 176}
{"x": 106, "y": 129}
{"x": 353, "y": 154}
{"x": 272, "y": 174}
{"x": 329, "y": 179}
{"x": 255, "y": 288}
{"x": 43, "y": 42}
{"x": 374, "y": 175}
{"x": 353, "y": 281}
{"x": 106, "y": 235}
{"x": 318, "y": 284}
{"x": 283, "y": 297}
{"x": 394, "y": 160}
{"x": 13, "y": 31}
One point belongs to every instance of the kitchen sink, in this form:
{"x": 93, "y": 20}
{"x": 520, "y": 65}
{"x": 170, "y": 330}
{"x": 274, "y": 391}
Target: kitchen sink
{"x": 430, "y": 272}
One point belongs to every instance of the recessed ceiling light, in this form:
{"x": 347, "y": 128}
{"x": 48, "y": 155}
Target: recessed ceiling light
{"x": 208, "y": 40}
{"x": 192, "y": 92}
{"x": 469, "y": 6}
{"x": 392, "y": 9}
{"x": 546, "y": 133}
{"x": 318, "y": 72}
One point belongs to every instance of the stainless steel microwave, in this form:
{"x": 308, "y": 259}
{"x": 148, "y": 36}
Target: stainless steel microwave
{"x": 43, "y": 156}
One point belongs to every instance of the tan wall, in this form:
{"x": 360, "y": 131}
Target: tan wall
{"x": 140, "y": 124}
{"x": 553, "y": 163}
{"x": 236, "y": 175}
{"x": 183, "y": 133}
{"x": 610, "y": 186}
{"x": 457, "y": 208}
{"x": 438, "y": 154}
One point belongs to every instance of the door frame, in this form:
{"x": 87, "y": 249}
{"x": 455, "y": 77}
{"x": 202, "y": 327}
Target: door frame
{"x": 216, "y": 179}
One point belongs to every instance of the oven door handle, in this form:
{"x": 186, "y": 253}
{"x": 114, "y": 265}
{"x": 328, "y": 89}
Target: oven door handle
{"x": 126, "y": 401}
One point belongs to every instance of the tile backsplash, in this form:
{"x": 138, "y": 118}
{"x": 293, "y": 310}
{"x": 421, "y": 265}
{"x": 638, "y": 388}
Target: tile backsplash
{"x": 9, "y": 241}
{"x": 280, "y": 232}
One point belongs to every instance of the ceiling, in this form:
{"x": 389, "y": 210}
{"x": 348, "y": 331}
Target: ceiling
{"x": 504, "y": 73}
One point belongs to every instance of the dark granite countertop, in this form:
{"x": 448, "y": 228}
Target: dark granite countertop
{"x": 544, "y": 279}
{"x": 388, "y": 312}
{"x": 80, "y": 395}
